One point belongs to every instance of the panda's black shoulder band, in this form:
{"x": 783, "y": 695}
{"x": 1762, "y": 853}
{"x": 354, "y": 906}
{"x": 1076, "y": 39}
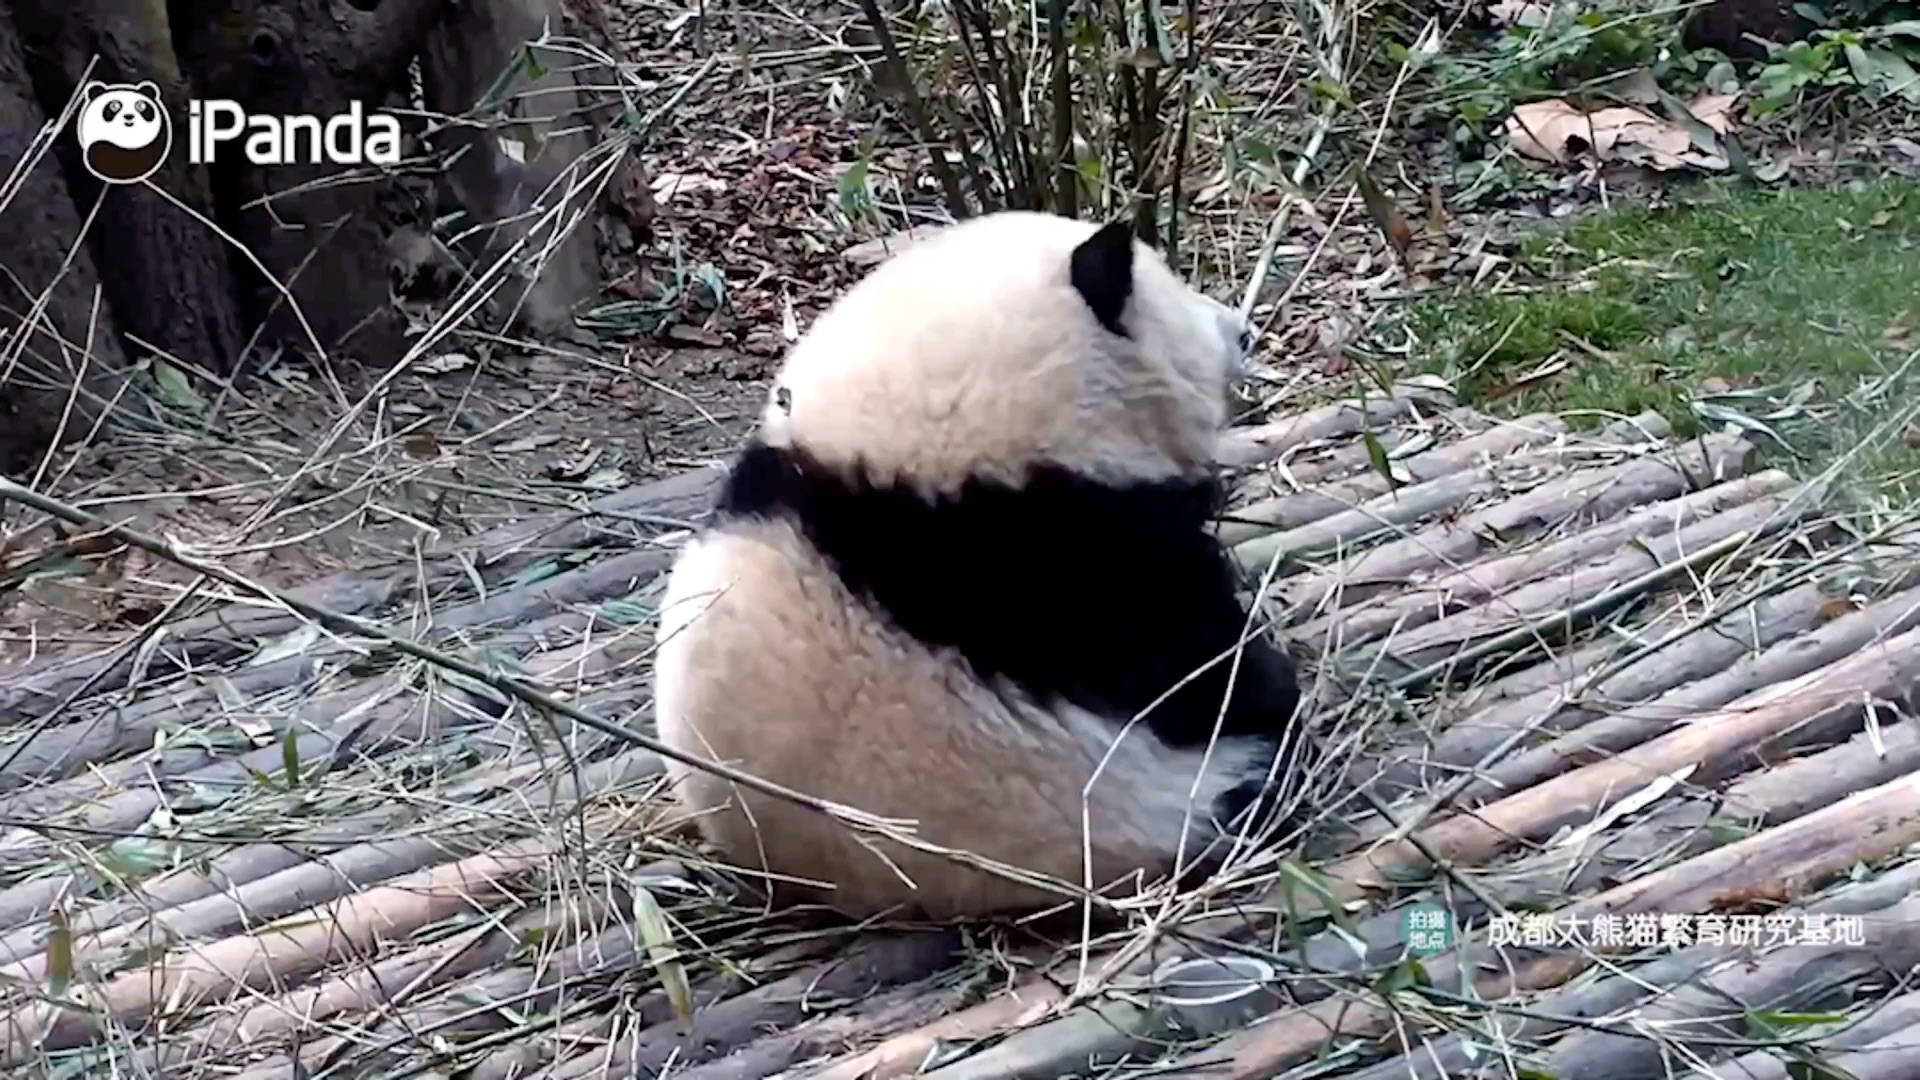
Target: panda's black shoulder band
{"x": 1104, "y": 595}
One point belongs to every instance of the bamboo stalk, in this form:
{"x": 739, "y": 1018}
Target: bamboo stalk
{"x": 140, "y": 725}
{"x": 1533, "y": 672}
{"x": 524, "y": 1057}
{"x": 875, "y": 964}
{"x": 1895, "y": 1056}
{"x": 1677, "y": 828}
{"x": 1476, "y": 740}
{"x": 370, "y": 988}
{"x": 1795, "y": 858}
{"x": 66, "y": 749}
{"x": 357, "y": 1050}
{"x": 1802, "y": 709}
{"x": 212, "y": 911}
{"x": 1304, "y": 466}
{"x": 1354, "y": 596}
{"x": 881, "y": 1015}
{"x": 904, "y": 1054}
{"x": 1478, "y": 582}
{"x": 1768, "y": 624}
{"x": 183, "y": 983}
{"x": 367, "y": 719}
{"x": 465, "y": 1013}
{"x": 1396, "y": 510}
{"x": 1266, "y": 442}
{"x": 1549, "y": 608}
{"x": 1887, "y": 1037}
{"x": 1304, "y": 507}
{"x": 497, "y": 554}
{"x": 1448, "y": 1055}
{"x": 1798, "y": 978}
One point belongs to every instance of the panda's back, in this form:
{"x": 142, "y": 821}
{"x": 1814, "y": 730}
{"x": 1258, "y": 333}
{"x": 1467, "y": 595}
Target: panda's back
{"x": 785, "y": 669}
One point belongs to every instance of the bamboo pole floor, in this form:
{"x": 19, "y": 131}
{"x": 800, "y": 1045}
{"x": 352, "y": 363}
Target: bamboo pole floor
{"x": 1622, "y": 785}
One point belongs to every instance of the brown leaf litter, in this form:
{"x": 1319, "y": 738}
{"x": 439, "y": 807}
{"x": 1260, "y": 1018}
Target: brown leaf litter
{"x": 1558, "y": 131}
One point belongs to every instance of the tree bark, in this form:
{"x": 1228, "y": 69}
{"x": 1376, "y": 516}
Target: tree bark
{"x": 164, "y": 269}
{"x": 320, "y": 238}
{"x": 465, "y": 54}
{"x": 38, "y": 230}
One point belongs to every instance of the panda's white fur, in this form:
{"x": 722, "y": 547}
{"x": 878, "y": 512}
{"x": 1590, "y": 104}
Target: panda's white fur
{"x": 971, "y": 405}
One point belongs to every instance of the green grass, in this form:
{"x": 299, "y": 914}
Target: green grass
{"x": 1798, "y": 309}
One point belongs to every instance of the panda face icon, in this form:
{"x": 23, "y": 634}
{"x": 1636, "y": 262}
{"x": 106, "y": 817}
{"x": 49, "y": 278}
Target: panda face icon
{"x": 124, "y": 131}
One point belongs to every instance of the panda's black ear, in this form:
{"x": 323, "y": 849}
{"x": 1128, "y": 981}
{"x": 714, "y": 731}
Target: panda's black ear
{"x": 1103, "y": 273}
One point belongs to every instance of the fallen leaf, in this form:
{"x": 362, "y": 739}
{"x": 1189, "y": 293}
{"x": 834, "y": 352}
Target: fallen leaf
{"x": 605, "y": 480}
{"x": 175, "y": 389}
{"x": 1557, "y": 131}
{"x": 59, "y": 951}
{"x": 1377, "y": 457}
{"x": 1632, "y": 804}
{"x": 296, "y": 641}
{"x": 656, "y": 933}
{"x": 530, "y": 442}
{"x": 1639, "y": 87}
{"x": 568, "y": 471}
{"x": 445, "y": 362}
{"x": 688, "y": 334}
{"x": 1380, "y": 207}
{"x": 668, "y": 186}
{"x": 1714, "y": 110}
{"x": 1885, "y": 70}
{"x": 1832, "y": 608}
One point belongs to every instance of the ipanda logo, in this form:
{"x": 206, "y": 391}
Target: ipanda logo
{"x": 124, "y": 131}
{"x": 350, "y": 138}
{"x": 125, "y": 134}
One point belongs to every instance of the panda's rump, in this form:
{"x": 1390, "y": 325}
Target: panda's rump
{"x": 765, "y": 657}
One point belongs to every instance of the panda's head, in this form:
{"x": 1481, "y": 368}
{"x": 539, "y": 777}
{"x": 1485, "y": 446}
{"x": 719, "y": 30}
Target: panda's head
{"x": 128, "y": 116}
{"x": 1012, "y": 341}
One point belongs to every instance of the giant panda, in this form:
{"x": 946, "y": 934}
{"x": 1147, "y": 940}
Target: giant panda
{"x": 965, "y": 548}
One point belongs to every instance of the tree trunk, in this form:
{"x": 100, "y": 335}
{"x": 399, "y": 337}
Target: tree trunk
{"x": 38, "y": 226}
{"x": 198, "y": 262}
{"x": 320, "y": 238}
{"x": 465, "y": 55}
{"x": 164, "y": 269}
